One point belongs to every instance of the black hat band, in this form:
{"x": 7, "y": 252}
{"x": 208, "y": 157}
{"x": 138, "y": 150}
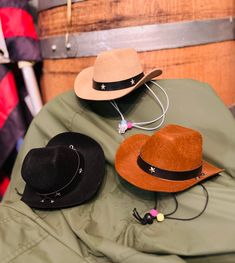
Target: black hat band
{"x": 117, "y": 85}
{"x": 166, "y": 174}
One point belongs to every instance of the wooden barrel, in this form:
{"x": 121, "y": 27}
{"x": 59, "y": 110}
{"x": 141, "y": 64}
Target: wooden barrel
{"x": 186, "y": 39}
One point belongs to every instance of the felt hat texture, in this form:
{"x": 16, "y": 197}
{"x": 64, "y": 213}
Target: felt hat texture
{"x": 67, "y": 172}
{"x": 115, "y": 74}
{"x": 168, "y": 161}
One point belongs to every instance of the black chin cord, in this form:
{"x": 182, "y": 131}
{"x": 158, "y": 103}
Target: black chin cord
{"x": 20, "y": 194}
{"x": 154, "y": 214}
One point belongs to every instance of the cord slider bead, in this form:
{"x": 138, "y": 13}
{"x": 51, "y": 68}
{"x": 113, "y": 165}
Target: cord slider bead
{"x": 160, "y": 217}
{"x": 147, "y": 219}
{"x": 129, "y": 125}
{"x": 153, "y": 212}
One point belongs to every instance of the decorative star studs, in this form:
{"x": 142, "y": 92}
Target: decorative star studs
{"x": 132, "y": 82}
{"x": 152, "y": 170}
{"x": 103, "y": 87}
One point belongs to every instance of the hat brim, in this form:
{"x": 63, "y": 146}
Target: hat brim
{"x": 90, "y": 181}
{"x": 127, "y": 167}
{"x": 83, "y": 86}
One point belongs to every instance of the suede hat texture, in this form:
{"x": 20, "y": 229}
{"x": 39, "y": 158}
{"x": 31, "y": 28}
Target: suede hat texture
{"x": 115, "y": 74}
{"x": 168, "y": 161}
{"x": 67, "y": 172}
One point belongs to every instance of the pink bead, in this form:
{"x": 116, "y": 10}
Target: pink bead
{"x": 129, "y": 125}
{"x": 153, "y": 212}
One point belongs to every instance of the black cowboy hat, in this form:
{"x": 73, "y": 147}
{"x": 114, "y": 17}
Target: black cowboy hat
{"x": 67, "y": 172}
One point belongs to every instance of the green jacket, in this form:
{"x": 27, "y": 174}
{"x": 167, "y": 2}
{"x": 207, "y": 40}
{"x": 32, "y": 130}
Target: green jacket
{"x": 104, "y": 230}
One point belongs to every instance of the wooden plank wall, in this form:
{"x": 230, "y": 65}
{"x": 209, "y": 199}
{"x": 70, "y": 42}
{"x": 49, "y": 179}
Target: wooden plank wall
{"x": 211, "y": 63}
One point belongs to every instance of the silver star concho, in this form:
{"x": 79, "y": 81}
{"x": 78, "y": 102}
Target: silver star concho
{"x": 103, "y": 87}
{"x": 132, "y": 82}
{"x": 152, "y": 170}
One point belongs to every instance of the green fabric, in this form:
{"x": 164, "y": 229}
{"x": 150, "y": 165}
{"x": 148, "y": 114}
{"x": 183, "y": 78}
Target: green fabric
{"x": 104, "y": 230}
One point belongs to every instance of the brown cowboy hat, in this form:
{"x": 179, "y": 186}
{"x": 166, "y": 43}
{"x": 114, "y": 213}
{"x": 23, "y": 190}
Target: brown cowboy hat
{"x": 168, "y": 161}
{"x": 115, "y": 74}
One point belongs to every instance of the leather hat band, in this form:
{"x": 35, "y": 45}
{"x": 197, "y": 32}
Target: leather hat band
{"x": 117, "y": 85}
{"x": 166, "y": 174}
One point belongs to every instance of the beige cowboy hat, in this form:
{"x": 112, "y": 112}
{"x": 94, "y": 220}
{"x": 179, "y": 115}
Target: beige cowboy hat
{"x": 115, "y": 74}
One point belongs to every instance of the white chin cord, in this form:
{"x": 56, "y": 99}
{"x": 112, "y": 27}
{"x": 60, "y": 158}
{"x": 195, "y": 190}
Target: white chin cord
{"x": 124, "y": 125}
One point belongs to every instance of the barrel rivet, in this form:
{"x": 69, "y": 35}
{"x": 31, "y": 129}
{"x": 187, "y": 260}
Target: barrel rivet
{"x": 68, "y": 45}
{"x": 53, "y": 47}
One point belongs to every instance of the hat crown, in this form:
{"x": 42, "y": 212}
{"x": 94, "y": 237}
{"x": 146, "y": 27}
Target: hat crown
{"x": 49, "y": 169}
{"x": 117, "y": 65}
{"x": 174, "y": 148}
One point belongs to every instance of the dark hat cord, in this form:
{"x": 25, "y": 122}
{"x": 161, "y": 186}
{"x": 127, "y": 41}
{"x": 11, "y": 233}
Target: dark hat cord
{"x": 154, "y": 214}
